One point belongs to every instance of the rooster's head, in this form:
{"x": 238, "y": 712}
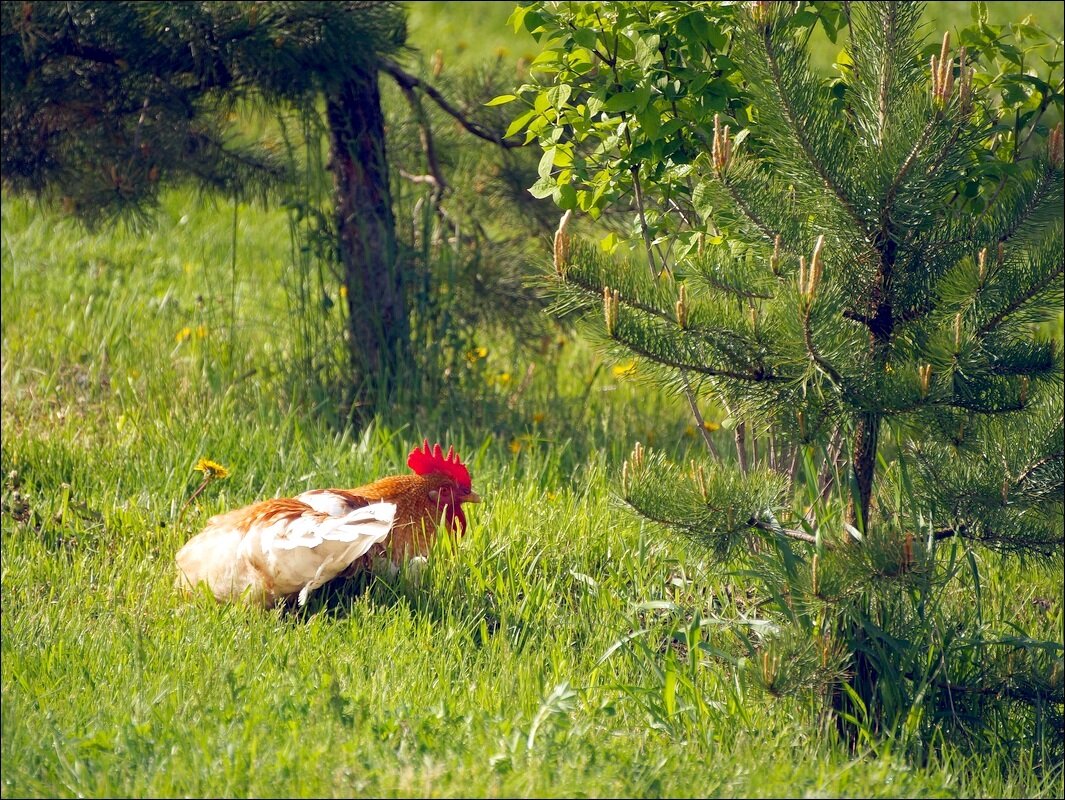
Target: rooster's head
{"x": 451, "y": 484}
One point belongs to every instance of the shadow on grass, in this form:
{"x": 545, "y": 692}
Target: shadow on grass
{"x": 338, "y": 599}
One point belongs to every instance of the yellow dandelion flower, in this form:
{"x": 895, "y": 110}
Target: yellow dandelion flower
{"x": 502, "y": 52}
{"x": 476, "y": 354}
{"x": 515, "y": 446}
{"x": 712, "y": 426}
{"x": 504, "y": 378}
{"x": 211, "y": 469}
{"x": 539, "y": 417}
{"x": 625, "y": 370}
{"x": 201, "y": 331}
{"x": 343, "y": 291}
{"x": 183, "y": 334}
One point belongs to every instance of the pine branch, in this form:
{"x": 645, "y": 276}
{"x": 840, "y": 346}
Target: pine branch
{"x": 801, "y": 536}
{"x": 982, "y": 228}
{"x": 715, "y": 283}
{"x": 1042, "y": 462}
{"x": 1048, "y": 181}
{"x": 964, "y": 531}
{"x": 815, "y": 356}
{"x": 67, "y": 46}
{"x": 743, "y": 206}
{"x": 405, "y": 79}
{"x": 886, "y": 71}
{"x": 1018, "y": 302}
{"x": 798, "y": 130}
{"x": 907, "y": 165}
{"x": 595, "y": 290}
{"x": 702, "y": 369}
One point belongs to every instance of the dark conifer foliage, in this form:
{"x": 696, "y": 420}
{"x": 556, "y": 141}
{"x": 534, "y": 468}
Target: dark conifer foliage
{"x": 106, "y": 102}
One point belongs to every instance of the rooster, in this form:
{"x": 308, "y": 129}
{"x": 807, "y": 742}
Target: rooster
{"x": 277, "y": 550}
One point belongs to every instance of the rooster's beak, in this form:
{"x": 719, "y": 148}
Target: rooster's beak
{"x": 471, "y": 497}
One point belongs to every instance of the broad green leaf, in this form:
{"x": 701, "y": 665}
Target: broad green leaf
{"x": 519, "y": 123}
{"x": 517, "y": 17}
{"x": 609, "y": 243}
{"x": 647, "y": 51}
{"x": 650, "y": 122}
{"x": 531, "y": 20}
{"x": 542, "y": 188}
{"x": 622, "y": 101}
{"x": 549, "y": 56}
{"x": 585, "y": 37}
{"x": 567, "y": 197}
{"x": 558, "y": 95}
{"x": 718, "y": 40}
{"x": 546, "y": 162}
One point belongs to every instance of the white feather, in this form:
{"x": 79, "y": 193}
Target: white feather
{"x": 280, "y": 558}
{"x": 326, "y": 502}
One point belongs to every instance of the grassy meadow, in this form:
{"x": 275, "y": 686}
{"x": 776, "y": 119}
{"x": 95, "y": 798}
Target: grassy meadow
{"x": 541, "y": 655}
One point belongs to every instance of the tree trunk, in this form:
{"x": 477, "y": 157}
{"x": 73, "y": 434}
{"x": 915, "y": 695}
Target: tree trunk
{"x": 378, "y": 323}
{"x": 863, "y": 675}
{"x": 863, "y": 458}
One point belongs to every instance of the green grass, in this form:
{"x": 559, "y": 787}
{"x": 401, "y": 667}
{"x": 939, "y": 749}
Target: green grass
{"x": 126, "y": 356}
{"x": 486, "y": 677}
{"x": 467, "y": 33}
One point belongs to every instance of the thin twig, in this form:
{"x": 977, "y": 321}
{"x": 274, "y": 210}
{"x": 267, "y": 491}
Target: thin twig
{"x": 643, "y": 223}
{"x": 793, "y": 465}
{"x": 688, "y": 393}
{"x": 425, "y": 134}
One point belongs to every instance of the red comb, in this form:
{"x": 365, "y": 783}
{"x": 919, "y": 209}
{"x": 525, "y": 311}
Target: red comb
{"x": 425, "y": 461}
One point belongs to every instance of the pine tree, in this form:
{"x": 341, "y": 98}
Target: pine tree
{"x": 875, "y": 340}
{"x": 105, "y": 103}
